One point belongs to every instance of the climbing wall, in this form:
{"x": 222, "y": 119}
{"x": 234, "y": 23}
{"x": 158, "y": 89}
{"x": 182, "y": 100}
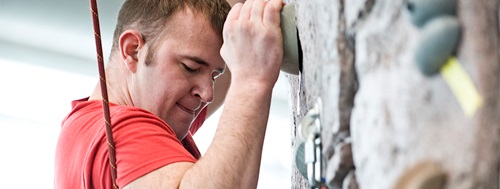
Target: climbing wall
{"x": 385, "y": 124}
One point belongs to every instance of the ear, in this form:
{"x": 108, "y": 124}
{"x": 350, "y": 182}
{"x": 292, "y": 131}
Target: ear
{"x": 130, "y": 42}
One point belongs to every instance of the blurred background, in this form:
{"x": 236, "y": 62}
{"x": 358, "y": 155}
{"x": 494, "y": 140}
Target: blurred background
{"x": 47, "y": 60}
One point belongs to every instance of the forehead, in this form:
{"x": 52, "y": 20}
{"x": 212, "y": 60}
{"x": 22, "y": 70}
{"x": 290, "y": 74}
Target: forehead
{"x": 190, "y": 24}
{"x": 191, "y": 33}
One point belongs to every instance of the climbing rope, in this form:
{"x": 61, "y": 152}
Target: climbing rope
{"x": 104, "y": 92}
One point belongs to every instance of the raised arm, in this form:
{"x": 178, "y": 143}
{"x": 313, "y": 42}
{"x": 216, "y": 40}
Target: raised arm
{"x": 253, "y": 52}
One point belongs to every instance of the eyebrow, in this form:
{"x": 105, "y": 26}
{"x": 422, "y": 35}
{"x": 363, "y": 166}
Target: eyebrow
{"x": 202, "y": 62}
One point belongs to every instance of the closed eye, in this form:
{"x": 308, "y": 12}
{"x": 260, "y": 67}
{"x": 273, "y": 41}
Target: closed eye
{"x": 190, "y": 70}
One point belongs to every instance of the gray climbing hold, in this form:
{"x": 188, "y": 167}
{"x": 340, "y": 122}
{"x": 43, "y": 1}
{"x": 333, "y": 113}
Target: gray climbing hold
{"x": 422, "y": 11}
{"x": 291, "y": 47}
{"x": 437, "y": 43}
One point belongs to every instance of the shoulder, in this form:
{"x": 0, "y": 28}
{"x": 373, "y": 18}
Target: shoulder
{"x": 132, "y": 119}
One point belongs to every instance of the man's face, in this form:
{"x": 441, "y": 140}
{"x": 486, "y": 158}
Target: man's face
{"x": 179, "y": 82}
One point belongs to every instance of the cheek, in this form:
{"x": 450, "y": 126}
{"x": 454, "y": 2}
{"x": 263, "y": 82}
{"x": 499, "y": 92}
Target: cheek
{"x": 166, "y": 83}
{"x": 171, "y": 89}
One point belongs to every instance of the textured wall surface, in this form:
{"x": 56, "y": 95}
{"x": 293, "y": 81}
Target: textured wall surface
{"x": 358, "y": 58}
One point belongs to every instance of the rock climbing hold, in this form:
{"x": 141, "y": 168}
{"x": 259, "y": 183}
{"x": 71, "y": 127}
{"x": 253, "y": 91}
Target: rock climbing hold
{"x": 292, "y": 53}
{"x": 437, "y": 42}
{"x": 422, "y": 11}
{"x": 423, "y": 175}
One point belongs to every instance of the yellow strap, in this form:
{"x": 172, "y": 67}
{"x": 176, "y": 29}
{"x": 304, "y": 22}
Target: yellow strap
{"x": 461, "y": 85}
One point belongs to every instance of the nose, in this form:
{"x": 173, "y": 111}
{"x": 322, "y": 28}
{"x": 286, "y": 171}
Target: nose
{"x": 204, "y": 89}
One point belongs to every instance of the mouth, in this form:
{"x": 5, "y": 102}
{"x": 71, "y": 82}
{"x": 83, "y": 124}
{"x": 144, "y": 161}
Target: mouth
{"x": 187, "y": 110}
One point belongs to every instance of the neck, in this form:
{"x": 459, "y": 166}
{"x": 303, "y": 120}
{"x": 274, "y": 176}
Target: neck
{"x": 117, "y": 88}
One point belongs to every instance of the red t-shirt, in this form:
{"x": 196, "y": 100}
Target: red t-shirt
{"x": 143, "y": 143}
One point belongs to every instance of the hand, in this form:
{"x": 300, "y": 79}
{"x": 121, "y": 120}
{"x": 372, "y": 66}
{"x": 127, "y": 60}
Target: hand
{"x": 253, "y": 43}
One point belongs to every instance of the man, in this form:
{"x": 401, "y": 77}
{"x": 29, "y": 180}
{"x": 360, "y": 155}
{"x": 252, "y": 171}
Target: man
{"x": 165, "y": 62}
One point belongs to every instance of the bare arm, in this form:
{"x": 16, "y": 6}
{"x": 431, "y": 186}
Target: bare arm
{"x": 253, "y": 51}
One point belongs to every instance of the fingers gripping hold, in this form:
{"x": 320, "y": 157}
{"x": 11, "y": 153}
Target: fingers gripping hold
{"x": 246, "y": 10}
{"x": 257, "y": 11}
{"x": 272, "y": 13}
{"x": 252, "y": 39}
